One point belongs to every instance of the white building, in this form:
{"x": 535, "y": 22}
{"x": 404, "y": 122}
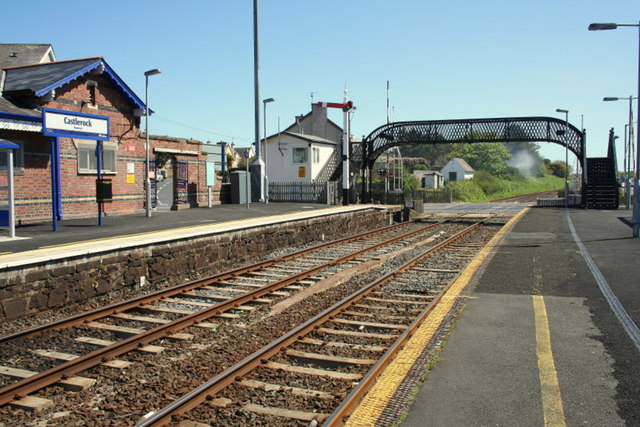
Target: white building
{"x": 457, "y": 170}
{"x": 429, "y": 179}
{"x": 309, "y": 150}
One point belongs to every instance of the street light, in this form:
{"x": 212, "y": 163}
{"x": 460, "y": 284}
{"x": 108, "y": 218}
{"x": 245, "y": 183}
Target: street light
{"x": 636, "y": 185}
{"x": 629, "y": 141}
{"x": 147, "y": 180}
{"x": 566, "y": 155}
{"x": 264, "y": 122}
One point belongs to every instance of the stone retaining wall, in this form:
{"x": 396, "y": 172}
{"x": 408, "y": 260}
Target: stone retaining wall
{"x": 33, "y": 288}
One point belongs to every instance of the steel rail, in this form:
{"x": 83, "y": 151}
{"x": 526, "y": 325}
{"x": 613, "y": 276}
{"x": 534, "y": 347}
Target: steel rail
{"x": 183, "y": 287}
{"x": 53, "y": 375}
{"x": 224, "y": 379}
{"x": 523, "y": 196}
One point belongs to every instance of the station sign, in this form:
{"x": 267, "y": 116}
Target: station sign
{"x": 69, "y": 124}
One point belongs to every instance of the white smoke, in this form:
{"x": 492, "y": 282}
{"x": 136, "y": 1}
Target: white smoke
{"x": 524, "y": 162}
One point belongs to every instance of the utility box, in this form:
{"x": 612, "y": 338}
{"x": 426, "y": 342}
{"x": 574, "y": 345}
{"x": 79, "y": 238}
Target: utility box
{"x": 104, "y": 191}
{"x": 240, "y": 187}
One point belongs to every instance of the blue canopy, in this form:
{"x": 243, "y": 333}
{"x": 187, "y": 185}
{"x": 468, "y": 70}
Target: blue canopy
{"x": 7, "y": 144}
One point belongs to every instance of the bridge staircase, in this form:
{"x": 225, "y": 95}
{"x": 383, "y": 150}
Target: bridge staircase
{"x": 602, "y": 191}
{"x": 332, "y": 170}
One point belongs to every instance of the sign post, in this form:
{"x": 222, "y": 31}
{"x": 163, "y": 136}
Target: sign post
{"x": 7, "y": 148}
{"x": 69, "y": 124}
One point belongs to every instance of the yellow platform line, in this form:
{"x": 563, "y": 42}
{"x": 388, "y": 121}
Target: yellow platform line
{"x": 374, "y": 403}
{"x": 550, "y": 388}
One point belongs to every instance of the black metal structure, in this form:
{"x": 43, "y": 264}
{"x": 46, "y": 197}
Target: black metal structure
{"x": 603, "y": 189}
{"x": 509, "y": 129}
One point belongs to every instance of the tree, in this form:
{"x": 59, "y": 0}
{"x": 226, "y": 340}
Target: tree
{"x": 559, "y": 169}
{"x": 410, "y": 181}
{"x": 435, "y": 153}
{"x": 486, "y": 156}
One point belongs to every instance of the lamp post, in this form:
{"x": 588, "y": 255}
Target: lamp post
{"x": 566, "y": 156}
{"x": 629, "y": 140}
{"x": 147, "y": 180}
{"x": 636, "y": 185}
{"x": 258, "y": 165}
{"x": 264, "y": 122}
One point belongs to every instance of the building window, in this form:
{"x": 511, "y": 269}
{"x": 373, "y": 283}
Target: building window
{"x": 92, "y": 92}
{"x": 18, "y": 157}
{"x": 300, "y": 155}
{"x": 88, "y": 158}
{"x": 316, "y": 155}
{"x": 453, "y": 176}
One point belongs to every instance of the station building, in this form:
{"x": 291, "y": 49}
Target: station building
{"x": 306, "y": 151}
{"x": 55, "y": 173}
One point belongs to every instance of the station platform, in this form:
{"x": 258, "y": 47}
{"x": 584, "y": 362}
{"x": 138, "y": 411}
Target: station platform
{"x": 537, "y": 342}
{"x": 72, "y": 231}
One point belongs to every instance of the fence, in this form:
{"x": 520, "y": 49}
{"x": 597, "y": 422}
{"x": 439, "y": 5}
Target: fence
{"x": 304, "y": 192}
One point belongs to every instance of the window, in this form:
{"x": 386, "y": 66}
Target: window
{"x": 88, "y": 159}
{"x": 92, "y": 92}
{"x": 453, "y": 176}
{"x": 300, "y": 155}
{"x": 316, "y": 155}
{"x": 18, "y": 157}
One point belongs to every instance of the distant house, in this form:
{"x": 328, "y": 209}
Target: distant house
{"x": 236, "y": 154}
{"x": 457, "y": 170}
{"x": 18, "y": 55}
{"x": 429, "y": 179}
{"x": 308, "y": 150}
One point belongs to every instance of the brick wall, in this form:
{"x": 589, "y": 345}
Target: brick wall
{"x": 33, "y": 183}
{"x": 33, "y": 288}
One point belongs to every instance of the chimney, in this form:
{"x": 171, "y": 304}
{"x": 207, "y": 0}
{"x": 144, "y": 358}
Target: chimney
{"x": 319, "y": 121}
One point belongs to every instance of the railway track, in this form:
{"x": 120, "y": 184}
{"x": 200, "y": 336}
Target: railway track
{"x": 526, "y": 198}
{"x": 318, "y": 372}
{"x": 38, "y": 357}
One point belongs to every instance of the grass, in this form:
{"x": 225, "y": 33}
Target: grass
{"x": 485, "y": 187}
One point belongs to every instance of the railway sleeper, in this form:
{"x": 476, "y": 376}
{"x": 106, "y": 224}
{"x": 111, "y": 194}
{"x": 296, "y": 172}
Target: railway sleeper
{"x": 359, "y": 334}
{"x": 223, "y": 402}
{"x": 123, "y": 330}
{"x": 363, "y": 347}
{"x": 74, "y": 383}
{"x": 395, "y": 301}
{"x": 326, "y": 360}
{"x": 364, "y": 325}
{"x": 150, "y": 308}
{"x": 312, "y": 371}
{"x": 369, "y": 315}
{"x": 220, "y": 298}
{"x": 151, "y": 349}
{"x": 293, "y": 390}
{"x": 382, "y": 307}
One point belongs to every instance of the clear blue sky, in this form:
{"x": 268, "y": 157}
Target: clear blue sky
{"x": 444, "y": 59}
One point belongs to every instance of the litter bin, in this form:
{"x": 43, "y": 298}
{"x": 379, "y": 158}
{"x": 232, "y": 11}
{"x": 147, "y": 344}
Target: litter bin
{"x": 104, "y": 191}
{"x": 240, "y": 187}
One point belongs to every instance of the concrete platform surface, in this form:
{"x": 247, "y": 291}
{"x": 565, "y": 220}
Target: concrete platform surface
{"x": 34, "y": 236}
{"x": 537, "y": 342}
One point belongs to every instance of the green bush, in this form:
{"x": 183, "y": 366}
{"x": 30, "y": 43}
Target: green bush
{"x": 484, "y": 186}
{"x": 466, "y": 191}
